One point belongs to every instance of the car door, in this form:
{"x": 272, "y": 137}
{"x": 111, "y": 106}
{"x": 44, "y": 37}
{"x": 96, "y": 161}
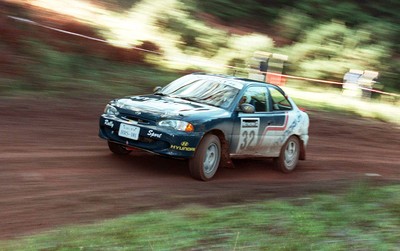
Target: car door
{"x": 257, "y": 133}
{"x": 275, "y": 135}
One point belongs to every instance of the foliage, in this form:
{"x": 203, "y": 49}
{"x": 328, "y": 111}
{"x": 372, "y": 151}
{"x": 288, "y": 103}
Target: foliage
{"x": 363, "y": 218}
{"x": 292, "y": 23}
{"x": 328, "y": 38}
{"x": 332, "y": 49}
{"x": 323, "y": 39}
{"x": 53, "y": 72}
{"x": 119, "y": 4}
{"x": 239, "y": 11}
{"x": 194, "y": 37}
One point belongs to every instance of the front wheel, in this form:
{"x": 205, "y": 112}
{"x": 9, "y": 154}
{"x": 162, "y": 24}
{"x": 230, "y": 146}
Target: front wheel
{"x": 118, "y": 149}
{"x": 205, "y": 162}
{"x": 289, "y": 155}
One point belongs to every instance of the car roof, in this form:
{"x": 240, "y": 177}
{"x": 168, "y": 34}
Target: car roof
{"x": 243, "y": 81}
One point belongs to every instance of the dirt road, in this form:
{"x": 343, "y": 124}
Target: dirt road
{"x": 54, "y": 170}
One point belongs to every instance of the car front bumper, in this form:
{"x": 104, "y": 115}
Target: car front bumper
{"x": 156, "y": 139}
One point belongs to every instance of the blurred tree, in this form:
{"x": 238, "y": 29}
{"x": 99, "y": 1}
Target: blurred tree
{"x": 323, "y": 38}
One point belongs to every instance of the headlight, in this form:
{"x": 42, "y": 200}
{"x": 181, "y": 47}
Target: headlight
{"x": 177, "y": 125}
{"x": 111, "y": 110}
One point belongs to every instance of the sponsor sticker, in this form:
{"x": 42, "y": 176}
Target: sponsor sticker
{"x": 250, "y": 123}
{"x": 183, "y": 147}
{"x": 109, "y": 123}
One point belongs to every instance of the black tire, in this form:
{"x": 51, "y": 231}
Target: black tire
{"x": 118, "y": 149}
{"x": 205, "y": 162}
{"x": 289, "y": 155}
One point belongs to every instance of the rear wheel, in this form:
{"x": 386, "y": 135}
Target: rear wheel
{"x": 205, "y": 162}
{"x": 118, "y": 149}
{"x": 289, "y": 156}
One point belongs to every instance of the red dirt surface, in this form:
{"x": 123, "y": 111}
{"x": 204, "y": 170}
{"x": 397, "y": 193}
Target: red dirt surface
{"x": 55, "y": 171}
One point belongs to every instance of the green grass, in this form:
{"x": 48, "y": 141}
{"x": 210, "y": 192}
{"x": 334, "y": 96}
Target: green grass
{"x": 68, "y": 74}
{"x": 364, "y": 218}
{"x": 99, "y": 78}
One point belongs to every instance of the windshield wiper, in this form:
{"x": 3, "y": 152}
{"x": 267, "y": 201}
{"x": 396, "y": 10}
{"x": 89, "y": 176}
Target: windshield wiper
{"x": 183, "y": 97}
{"x": 160, "y": 94}
{"x": 197, "y": 100}
{"x": 188, "y": 98}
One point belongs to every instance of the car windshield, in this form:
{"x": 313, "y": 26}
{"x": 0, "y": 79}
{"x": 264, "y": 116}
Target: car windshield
{"x": 208, "y": 90}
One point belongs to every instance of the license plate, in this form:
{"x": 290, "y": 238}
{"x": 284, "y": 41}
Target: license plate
{"x": 129, "y": 131}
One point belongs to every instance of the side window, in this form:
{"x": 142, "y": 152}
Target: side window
{"x": 256, "y": 96}
{"x": 279, "y": 101}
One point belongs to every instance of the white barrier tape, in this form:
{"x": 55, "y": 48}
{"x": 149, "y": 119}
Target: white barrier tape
{"x": 74, "y": 34}
{"x": 55, "y": 29}
{"x": 226, "y": 66}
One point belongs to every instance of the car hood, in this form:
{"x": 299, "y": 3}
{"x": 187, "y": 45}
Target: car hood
{"x": 156, "y": 107}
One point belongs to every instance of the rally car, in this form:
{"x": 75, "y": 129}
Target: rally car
{"x": 209, "y": 119}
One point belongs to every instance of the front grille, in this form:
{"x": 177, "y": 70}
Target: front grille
{"x": 128, "y": 117}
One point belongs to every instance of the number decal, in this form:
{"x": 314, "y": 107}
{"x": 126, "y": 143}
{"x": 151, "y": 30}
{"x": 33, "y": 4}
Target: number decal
{"x": 248, "y": 136}
{"x": 252, "y": 135}
{"x": 243, "y": 140}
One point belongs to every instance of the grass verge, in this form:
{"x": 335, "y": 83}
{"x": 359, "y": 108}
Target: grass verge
{"x": 332, "y": 100}
{"x": 364, "y": 218}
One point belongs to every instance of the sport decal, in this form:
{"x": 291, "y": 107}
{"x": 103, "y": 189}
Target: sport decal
{"x": 152, "y": 134}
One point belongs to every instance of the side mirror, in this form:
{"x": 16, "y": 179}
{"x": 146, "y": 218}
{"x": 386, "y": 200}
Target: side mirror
{"x": 157, "y": 88}
{"x": 247, "y": 108}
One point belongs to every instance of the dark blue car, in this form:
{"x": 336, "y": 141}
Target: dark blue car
{"x": 208, "y": 119}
